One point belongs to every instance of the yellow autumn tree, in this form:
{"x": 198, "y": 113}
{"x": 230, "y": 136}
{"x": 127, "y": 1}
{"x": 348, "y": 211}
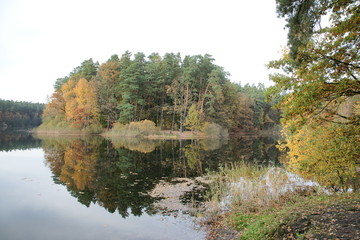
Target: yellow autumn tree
{"x": 81, "y": 108}
{"x": 318, "y": 85}
{"x": 54, "y": 112}
{"x": 69, "y": 96}
{"x": 327, "y": 153}
{"x": 87, "y": 111}
{"x": 193, "y": 119}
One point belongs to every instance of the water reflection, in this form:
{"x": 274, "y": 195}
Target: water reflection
{"x": 135, "y": 144}
{"x": 127, "y": 177}
{"x": 11, "y": 140}
{"x": 120, "y": 174}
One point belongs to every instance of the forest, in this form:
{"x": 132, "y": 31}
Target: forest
{"x": 173, "y": 92}
{"x": 19, "y": 115}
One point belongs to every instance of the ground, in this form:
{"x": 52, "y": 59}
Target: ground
{"x": 318, "y": 218}
{"x": 336, "y": 221}
{"x": 217, "y": 229}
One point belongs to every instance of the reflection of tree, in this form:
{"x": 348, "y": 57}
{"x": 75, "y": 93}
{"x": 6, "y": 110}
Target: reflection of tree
{"x": 124, "y": 180}
{"x": 94, "y": 171}
{"x": 17, "y": 141}
{"x": 79, "y": 165}
{"x": 120, "y": 179}
{"x": 73, "y": 162}
{"x": 194, "y": 156}
{"x": 135, "y": 144}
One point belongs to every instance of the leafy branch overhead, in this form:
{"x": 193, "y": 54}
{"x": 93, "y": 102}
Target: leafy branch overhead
{"x": 322, "y": 74}
{"x": 318, "y": 80}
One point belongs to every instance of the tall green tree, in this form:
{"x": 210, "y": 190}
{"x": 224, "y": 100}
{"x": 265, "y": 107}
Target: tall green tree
{"x": 109, "y": 96}
{"x": 132, "y": 79}
{"x": 87, "y": 69}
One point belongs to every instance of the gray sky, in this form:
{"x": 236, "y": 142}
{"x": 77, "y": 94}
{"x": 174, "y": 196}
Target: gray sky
{"x": 42, "y": 40}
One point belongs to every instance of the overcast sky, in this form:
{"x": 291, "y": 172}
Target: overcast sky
{"x": 42, "y": 40}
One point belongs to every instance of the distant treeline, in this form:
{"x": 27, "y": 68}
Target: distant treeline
{"x": 174, "y": 92}
{"x": 19, "y": 115}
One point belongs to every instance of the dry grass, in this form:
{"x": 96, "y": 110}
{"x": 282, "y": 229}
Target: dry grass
{"x": 250, "y": 188}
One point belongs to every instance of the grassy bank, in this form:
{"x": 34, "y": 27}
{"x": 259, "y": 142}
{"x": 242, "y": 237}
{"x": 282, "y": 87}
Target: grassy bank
{"x": 267, "y": 203}
{"x": 66, "y": 131}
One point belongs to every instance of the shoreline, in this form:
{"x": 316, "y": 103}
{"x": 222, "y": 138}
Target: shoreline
{"x": 160, "y": 135}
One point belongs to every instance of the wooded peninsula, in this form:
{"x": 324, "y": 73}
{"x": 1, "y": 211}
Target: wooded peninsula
{"x": 164, "y": 92}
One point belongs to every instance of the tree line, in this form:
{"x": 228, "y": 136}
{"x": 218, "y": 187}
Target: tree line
{"x": 168, "y": 90}
{"x": 19, "y": 115}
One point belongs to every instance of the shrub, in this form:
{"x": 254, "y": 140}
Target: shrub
{"x": 93, "y": 129}
{"x": 134, "y": 129}
{"x": 214, "y": 130}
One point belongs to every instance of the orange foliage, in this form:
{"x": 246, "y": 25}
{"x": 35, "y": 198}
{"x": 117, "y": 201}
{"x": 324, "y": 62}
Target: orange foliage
{"x": 55, "y": 106}
{"x": 80, "y": 103}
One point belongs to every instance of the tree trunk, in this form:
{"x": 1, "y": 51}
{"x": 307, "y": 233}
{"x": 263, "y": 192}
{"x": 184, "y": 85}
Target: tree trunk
{"x": 162, "y": 105}
{"x": 203, "y": 98}
{"x": 141, "y": 111}
{"x": 173, "y": 118}
{"x": 108, "y": 122}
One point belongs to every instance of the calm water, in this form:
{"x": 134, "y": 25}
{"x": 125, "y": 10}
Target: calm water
{"x": 94, "y": 188}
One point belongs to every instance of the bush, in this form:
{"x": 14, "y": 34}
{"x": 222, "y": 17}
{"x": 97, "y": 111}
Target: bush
{"x": 134, "y": 129}
{"x": 93, "y": 129}
{"x": 214, "y": 130}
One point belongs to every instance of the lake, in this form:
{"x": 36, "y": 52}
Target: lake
{"x": 97, "y": 188}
